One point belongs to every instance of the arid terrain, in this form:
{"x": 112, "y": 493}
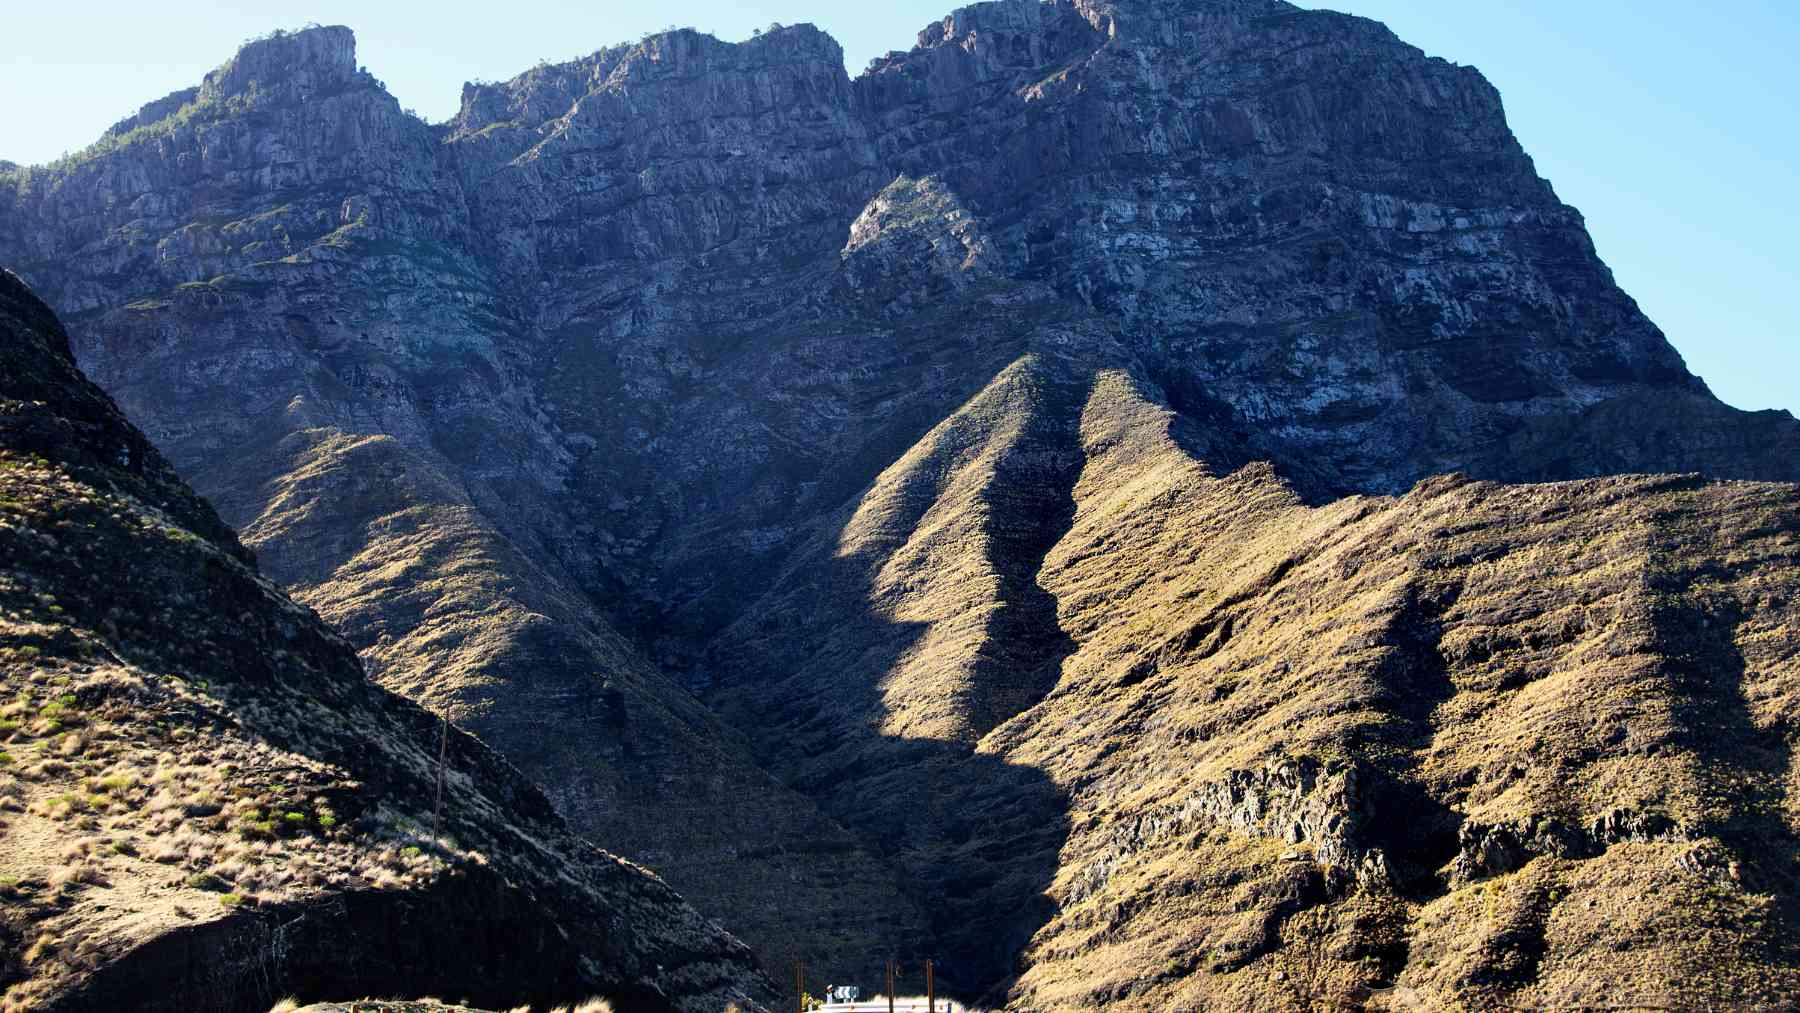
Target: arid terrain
{"x": 205, "y": 805}
{"x": 1153, "y": 504}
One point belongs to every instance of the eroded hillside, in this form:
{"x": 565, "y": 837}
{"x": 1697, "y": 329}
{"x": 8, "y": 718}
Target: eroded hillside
{"x": 963, "y": 509}
{"x": 205, "y": 806}
{"x": 1478, "y": 744}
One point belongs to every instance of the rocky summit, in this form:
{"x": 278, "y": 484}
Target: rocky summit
{"x": 1153, "y": 504}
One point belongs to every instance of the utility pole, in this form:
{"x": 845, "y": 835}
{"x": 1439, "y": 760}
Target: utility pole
{"x": 800, "y": 986}
{"x": 437, "y": 812}
{"x": 930, "y": 989}
{"x": 890, "y": 984}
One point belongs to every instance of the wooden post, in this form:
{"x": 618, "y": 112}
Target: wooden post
{"x": 930, "y": 989}
{"x": 800, "y": 986}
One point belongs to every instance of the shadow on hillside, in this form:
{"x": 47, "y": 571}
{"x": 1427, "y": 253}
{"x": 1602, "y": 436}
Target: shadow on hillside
{"x": 1751, "y": 763}
{"x": 974, "y": 840}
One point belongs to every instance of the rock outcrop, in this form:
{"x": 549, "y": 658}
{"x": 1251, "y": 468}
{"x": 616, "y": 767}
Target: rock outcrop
{"x": 205, "y": 806}
{"x": 996, "y": 492}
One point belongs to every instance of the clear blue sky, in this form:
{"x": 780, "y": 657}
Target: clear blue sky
{"x": 1670, "y": 124}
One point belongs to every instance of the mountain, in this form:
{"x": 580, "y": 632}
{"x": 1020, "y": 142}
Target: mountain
{"x": 208, "y": 807}
{"x": 358, "y": 490}
{"x": 1055, "y": 502}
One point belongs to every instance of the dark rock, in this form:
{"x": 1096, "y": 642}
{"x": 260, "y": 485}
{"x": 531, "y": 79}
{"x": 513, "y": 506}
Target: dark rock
{"x": 271, "y": 826}
{"x": 905, "y": 417}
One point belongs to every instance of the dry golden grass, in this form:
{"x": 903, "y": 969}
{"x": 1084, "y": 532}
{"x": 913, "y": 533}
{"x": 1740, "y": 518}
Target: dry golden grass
{"x": 1558, "y": 679}
{"x": 1482, "y": 744}
{"x": 141, "y": 781}
{"x": 186, "y": 750}
{"x": 446, "y": 611}
{"x": 153, "y": 780}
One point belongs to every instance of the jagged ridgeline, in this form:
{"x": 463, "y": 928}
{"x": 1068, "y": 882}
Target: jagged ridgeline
{"x": 1055, "y": 502}
{"x": 205, "y": 806}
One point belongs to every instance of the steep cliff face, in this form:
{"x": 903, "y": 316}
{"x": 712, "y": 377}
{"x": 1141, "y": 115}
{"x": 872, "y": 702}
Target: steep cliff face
{"x": 357, "y": 400}
{"x": 1307, "y": 230}
{"x": 902, "y": 417}
{"x": 207, "y": 807}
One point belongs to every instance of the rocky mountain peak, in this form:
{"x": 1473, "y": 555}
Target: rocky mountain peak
{"x": 967, "y": 26}
{"x": 803, "y": 41}
{"x": 657, "y": 78}
{"x": 310, "y": 60}
{"x": 800, "y": 52}
{"x": 979, "y": 43}
{"x": 1066, "y": 373}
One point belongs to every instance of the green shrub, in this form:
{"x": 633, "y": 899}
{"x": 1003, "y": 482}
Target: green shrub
{"x": 75, "y": 802}
{"x": 256, "y": 830}
{"x": 205, "y": 881}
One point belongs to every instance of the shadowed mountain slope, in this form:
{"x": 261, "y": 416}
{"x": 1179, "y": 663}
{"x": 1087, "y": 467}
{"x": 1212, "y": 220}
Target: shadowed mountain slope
{"x": 1486, "y": 743}
{"x": 207, "y": 807}
{"x": 837, "y": 492}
